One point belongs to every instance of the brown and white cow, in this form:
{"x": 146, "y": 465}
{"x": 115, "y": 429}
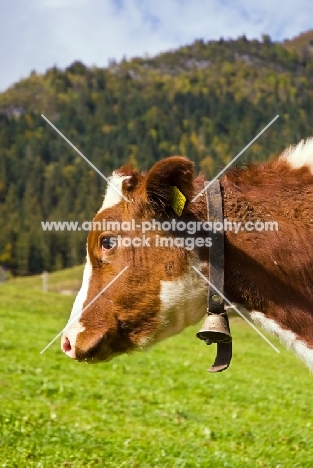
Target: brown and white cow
{"x": 269, "y": 272}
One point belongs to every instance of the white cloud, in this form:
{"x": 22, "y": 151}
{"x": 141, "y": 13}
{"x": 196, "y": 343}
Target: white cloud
{"x": 38, "y": 34}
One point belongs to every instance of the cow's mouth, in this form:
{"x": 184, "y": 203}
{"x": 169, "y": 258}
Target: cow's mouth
{"x": 95, "y": 360}
{"x": 98, "y": 352}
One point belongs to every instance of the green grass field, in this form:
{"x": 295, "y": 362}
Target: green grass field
{"x": 154, "y": 409}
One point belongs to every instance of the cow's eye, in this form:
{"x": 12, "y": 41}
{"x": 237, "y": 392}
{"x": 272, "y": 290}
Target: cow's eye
{"x": 108, "y": 242}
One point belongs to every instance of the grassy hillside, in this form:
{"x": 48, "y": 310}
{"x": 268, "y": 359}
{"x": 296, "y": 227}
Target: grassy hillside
{"x": 65, "y": 281}
{"x": 155, "y": 409}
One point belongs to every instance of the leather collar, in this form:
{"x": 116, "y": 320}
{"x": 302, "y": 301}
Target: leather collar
{"x": 216, "y": 326}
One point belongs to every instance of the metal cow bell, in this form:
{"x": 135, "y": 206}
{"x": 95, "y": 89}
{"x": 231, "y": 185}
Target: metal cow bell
{"x": 216, "y": 330}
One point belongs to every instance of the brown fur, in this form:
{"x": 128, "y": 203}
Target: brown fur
{"x": 267, "y": 271}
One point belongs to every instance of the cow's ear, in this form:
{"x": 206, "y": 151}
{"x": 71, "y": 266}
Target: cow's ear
{"x": 169, "y": 184}
{"x": 130, "y": 177}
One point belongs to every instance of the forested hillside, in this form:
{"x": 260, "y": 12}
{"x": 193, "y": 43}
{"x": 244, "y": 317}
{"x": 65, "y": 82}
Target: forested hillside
{"x": 205, "y": 100}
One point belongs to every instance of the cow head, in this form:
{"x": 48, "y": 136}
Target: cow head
{"x": 158, "y": 294}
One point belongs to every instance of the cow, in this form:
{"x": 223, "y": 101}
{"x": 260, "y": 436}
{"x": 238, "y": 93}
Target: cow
{"x": 160, "y": 292}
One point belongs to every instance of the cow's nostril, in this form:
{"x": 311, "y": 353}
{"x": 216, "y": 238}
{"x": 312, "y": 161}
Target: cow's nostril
{"x": 68, "y": 348}
{"x": 88, "y": 349}
{"x": 66, "y": 345}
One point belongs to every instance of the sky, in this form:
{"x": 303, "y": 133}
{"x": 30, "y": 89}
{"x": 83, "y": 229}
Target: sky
{"x": 38, "y": 34}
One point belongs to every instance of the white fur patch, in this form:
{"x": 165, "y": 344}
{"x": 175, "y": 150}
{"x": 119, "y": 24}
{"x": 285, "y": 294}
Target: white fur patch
{"x": 74, "y": 326}
{"x": 82, "y": 294}
{"x": 300, "y": 155}
{"x": 113, "y": 196}
{"x": 288, "y": 338}
{"x": 184, "y": 303}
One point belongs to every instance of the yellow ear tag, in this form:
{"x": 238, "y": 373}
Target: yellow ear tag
{"x": 178, "y": 200}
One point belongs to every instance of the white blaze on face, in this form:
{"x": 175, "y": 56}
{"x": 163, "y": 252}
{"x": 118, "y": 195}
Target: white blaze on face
{"x": 76, "y": 327}
{"x": 112, "y": 196}
{"x": 82, "y": 294}
{"x": 300, "y": 155}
